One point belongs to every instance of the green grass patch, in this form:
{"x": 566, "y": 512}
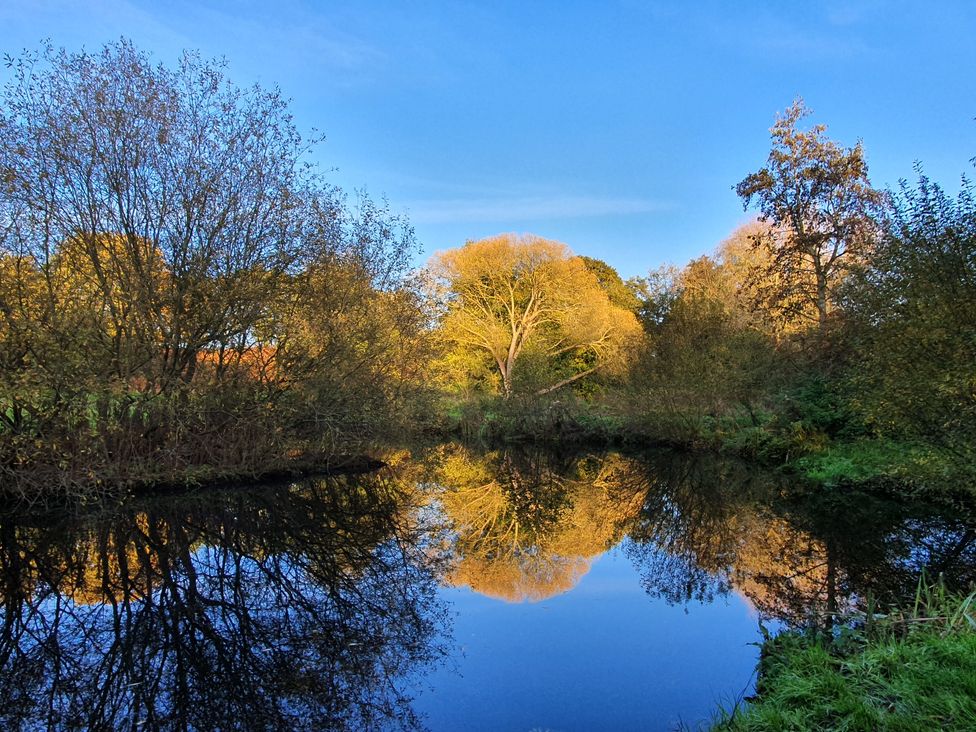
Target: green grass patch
{"x": 866, "y": 459}
{"x": 908, "y": 671}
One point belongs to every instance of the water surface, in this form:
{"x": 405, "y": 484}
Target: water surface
{"x": 457, "y": 589}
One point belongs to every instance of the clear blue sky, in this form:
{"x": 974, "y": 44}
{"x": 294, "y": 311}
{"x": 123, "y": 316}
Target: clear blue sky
{"x": 618, "y": 127}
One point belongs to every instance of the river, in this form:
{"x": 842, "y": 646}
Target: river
{"x": 458, "y": 588}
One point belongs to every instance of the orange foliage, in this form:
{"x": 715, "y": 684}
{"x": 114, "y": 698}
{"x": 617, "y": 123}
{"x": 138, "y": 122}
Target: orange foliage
{"x": 259, "y": 363}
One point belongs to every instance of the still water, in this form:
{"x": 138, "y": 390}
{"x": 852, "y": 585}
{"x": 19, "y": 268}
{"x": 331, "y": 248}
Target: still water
{"x": 456, "y": 589}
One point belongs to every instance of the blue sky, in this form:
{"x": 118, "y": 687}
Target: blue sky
{"x": 618, "y": 127}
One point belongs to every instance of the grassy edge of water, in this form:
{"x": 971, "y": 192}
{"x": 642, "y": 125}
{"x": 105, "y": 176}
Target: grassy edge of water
{"x": 913, "y": 670}
{"x": 853, "y": 461}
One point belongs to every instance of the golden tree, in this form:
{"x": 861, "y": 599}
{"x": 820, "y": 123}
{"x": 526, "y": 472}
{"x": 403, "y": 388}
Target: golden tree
{"x": 510, "y": 296}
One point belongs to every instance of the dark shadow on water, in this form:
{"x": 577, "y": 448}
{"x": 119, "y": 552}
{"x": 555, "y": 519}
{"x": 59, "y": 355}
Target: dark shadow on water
{"x": 802, "y": 555}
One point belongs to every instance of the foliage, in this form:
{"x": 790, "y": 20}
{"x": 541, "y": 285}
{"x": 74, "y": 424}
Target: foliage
{"x": 866, "y": 459}
{"x": 882, "y": 387}
{"x": 178, "y": 288}
{"x": 656, "y": 294}
{"x": 709, "y": 352}
{"x": 525, "y": 525}
{"x": 182, "y": 295}
{"x": 819, "y": 200}
{"x": 620, "y": 293}
{"x": 913, "y": 312}
{"x": 528, "y": 301}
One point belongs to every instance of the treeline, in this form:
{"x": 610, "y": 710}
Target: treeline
{"x": 841, "y": 325}
{"x": 181, "y": 294}
{"x": 837, "y": 330}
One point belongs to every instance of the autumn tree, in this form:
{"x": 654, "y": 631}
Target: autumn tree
{"x": 656, "y": 294}
{"x": 347, "y": 333}
{"x": 517, "y": 297}
{"x": 709, "y": 350}
{"x": 818, "y": 198}
{"x": 193, "y": 181}
{"x": 178, "y": 286}
{"x": 756, "y": 289}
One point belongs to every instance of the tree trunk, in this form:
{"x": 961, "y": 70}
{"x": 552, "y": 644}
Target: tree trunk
{"x": 821, "y": 301}
{"x": 506, "y": 375}
{"x": 566, "y": 382}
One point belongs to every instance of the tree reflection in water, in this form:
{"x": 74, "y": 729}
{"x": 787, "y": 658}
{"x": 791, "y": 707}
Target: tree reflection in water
{"x": 527, "y": 524}
{"x": 306, "y": 607}
{"x": 802, "y": 556}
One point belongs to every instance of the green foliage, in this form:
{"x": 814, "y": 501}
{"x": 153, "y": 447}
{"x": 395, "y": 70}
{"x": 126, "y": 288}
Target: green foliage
{"x": 816, "y": 405}
{"x": 183, "y": 293}
{"x": 620, "y": 294}
{"x": 866, "y": 459}
{"x": 913, "y": 322}
{"x": 547, "y": 418}
{"x": 708, "y": 363}
{"x": 843, "y": 328}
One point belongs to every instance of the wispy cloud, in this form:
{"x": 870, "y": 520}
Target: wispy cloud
{"x": 528, "y": 208}
{"x": 830, "y": 35}
{"x": 285, "y": 38}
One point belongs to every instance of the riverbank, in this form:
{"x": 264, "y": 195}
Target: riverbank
{"x": 289, "y": 467}
{"x": 842, "y": 460}
{"x": 913, "y": 669}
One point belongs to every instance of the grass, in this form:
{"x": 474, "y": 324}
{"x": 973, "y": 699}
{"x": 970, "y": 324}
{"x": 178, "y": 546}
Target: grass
{"x": 912, "y": 670}
{"x": 865, "y": 459}
{"x": 554, "y": 420}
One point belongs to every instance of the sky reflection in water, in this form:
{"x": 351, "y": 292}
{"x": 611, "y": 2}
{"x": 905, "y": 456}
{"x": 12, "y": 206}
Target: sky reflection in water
{"x": 600, "y": 656}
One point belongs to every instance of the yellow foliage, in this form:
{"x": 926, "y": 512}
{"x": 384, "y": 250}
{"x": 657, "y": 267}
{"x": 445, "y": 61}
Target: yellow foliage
{"x": 752, "y": 281}
{"x": 509, "y": 294}
{"x": 524, "y": 532}
{"x": 114, "y": 279}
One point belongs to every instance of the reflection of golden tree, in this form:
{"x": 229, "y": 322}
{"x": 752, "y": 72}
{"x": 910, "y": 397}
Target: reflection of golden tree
{"x": 519, "y": 576}
{"x": 784, "y": 571}
{"x": 525, "y": 529}
{"x": 109, "y": 567}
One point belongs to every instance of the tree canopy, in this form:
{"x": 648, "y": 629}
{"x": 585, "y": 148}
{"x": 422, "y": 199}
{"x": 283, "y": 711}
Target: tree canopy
{"x": 913, "y": 313}
{"x": 818, "y": 197}
{"x": 514, "y": 298}
{"x": 178, "y": 286}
